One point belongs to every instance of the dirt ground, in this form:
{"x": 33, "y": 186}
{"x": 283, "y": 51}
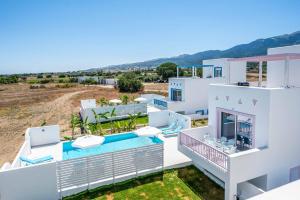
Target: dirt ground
{"x": 22, "y": 107}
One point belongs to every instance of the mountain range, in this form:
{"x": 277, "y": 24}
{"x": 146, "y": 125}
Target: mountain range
{"x": 255, "y": 48}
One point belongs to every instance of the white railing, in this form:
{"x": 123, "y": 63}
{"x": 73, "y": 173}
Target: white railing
{"x": 79, "y": 174}
{"x": 208, "y": 152}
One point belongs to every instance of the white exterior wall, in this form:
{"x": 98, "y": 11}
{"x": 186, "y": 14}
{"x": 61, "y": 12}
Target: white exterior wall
{"x": 220, "y": 62}
{"x": 276, "y": 128}
{"x": 32, "y": 182}
{"x": 237, "y": 70}
{"x": 275, "y": 72}
{"x": 194, "y": 93}
{"x": 43, "y": 135}
{"x": 247, "y": 95}
{"x": 166, "y": 117}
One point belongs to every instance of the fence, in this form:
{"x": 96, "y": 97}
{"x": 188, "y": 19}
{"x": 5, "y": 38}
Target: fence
{"x": 121, "y": 111}
{"x": 79, "y": 174}
{"x": 208, "y": 152}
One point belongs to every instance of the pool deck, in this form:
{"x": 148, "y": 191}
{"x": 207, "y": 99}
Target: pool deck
{"x": 172, "y": 157}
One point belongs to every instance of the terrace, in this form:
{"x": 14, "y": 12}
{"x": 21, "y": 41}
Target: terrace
{"x": 69, "y": 170}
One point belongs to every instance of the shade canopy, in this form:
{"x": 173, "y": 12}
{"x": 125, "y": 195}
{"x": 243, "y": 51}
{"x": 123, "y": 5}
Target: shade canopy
{"x": 88, "y": 141}
{"x": 147, "y": 131}
{"x": 115, "y": 101}
{"x": 140, "y": 99}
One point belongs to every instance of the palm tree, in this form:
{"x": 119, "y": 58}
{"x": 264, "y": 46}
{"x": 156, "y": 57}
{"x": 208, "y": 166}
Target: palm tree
{"x": 103, "y": 101}
{"x": 84, "y": 125}
{"x": 125, "y": 99}
{"x": 112, "y": 115}
{"x": 132, "y": 120}
{"x": 75, "y": 123}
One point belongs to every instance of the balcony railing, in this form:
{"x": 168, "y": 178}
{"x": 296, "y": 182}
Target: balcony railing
{"x": 206, "y": 151}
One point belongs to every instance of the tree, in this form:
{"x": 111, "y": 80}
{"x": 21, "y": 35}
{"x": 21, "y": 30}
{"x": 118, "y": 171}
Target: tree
{"x": 167, "y": 70}
{"x": 75, "y": 123}
{"x": 128, "y": 82}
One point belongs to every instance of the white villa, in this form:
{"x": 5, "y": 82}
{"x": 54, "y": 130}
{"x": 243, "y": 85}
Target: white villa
{"x": 189, "y": 95}
{"x": 251, "y": 143}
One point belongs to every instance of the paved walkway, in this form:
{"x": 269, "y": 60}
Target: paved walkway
{"x": 172, "y": 157}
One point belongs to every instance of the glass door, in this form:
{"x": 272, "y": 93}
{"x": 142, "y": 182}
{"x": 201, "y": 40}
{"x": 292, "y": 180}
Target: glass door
{"x": 228, "y": 128}
{"x": 236, "y": 128}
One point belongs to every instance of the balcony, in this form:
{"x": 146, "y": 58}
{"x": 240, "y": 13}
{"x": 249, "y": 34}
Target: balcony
{"x": 205, "y": 150}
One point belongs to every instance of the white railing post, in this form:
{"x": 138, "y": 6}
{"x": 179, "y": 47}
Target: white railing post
{"x": 113, "y": 166}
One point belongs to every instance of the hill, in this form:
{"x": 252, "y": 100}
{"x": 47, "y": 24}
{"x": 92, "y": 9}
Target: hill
{"x": 257, "y": 47}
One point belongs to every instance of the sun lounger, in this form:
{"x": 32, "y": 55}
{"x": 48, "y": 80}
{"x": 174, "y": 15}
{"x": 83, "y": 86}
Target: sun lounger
{"x": 36, "y": 161}
{"x": 176, "y": 130}
{"x": 171, "y": 126}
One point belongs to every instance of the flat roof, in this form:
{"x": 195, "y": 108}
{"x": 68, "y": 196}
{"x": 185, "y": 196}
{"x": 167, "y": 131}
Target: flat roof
{"x": 195, "y": 66}
{"x": 273, "y": 57}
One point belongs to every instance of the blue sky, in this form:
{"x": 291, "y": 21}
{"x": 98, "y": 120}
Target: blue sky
{"x": 66, "y": 35}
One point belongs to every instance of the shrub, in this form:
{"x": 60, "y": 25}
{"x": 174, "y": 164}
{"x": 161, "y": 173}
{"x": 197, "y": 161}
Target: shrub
{"x": 89, "y": 81}
{"x": 40, "y": 76}
{"x": 128, "y": 82}
{"x": 66, "y": 85}
{"x": 8, "y": 79}
{"x": 61, "y": 76}
{"x": 48, "y": 76}
{"x": 44, "y": 81}
{"x": 73, "y": 80}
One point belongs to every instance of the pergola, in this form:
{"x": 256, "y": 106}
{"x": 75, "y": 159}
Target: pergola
{"x": 193, "y": 67}
{"x": 275, "y": 57}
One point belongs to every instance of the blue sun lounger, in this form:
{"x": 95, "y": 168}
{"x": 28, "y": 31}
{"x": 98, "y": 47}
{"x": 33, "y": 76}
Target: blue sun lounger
{"x": 36, "y": 161}
{"x": 176, "y": 130}
{"x": 171, "y": 126}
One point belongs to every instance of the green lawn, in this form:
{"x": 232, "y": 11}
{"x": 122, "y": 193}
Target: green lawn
{"x": 187, "y": 183}
{"x": 141, "y": 120}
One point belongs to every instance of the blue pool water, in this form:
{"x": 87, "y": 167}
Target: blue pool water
{"x": 111, "y": 143}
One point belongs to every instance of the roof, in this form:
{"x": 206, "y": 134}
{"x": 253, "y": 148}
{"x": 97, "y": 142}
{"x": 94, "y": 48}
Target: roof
{"x": 195, "y": 66}
{"x": 274, "y": 57}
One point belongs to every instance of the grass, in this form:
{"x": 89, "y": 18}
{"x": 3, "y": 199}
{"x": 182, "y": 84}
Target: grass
{"x": 186, "y": 183}
{"x": 139, "y": 121}
{"x": 199, "y": 123}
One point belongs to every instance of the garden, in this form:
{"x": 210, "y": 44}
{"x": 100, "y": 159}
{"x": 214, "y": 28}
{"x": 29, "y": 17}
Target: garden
{"x": 186, "y": 183}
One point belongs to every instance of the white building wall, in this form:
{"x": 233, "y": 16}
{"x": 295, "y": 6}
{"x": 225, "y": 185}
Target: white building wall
{"x": 220, "y": 62}
{"x": 276, "y": 132}
{"x": 32, "y": 182}
{"x": 218, "y": 95}
{"x": 194, "y": 91}
{"x": 167, "y": 117}
{"x": 275, "y": 71}
{"x": 238, "y": 72}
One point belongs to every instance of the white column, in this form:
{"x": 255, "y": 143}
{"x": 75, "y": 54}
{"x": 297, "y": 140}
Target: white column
{"x": 230, "y": 189}
{"x": 260, "y": 74}
{"x": 287, "y": 72}
{"x": 228, "y": 74}
{"x": 195, "y": 72}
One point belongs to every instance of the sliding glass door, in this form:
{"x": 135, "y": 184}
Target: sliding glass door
{"x": 236, "y": 128}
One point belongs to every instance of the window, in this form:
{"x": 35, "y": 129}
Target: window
{"x": 176, "y": 94}
{"x": 218, "y": 72}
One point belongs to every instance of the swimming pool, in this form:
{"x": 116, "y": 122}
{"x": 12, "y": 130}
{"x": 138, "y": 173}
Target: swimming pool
{"x": 111, "y": 143}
